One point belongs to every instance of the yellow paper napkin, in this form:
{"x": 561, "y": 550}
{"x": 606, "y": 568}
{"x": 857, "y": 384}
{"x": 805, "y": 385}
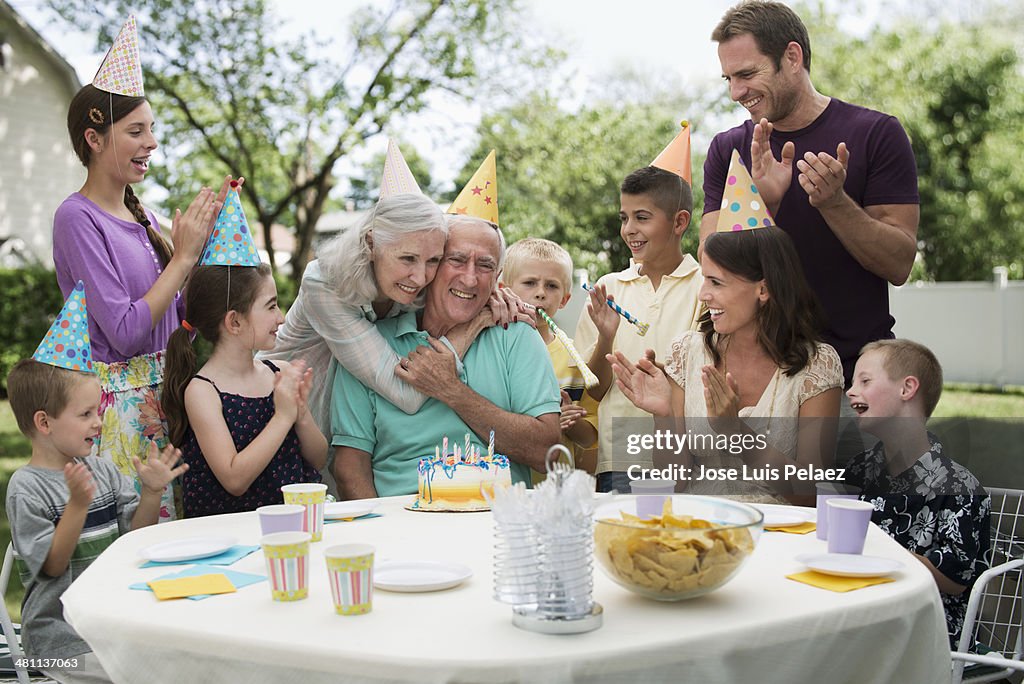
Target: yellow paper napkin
{"x": 833, "y": 583}
{"x": 183, "y": 587}
{"x": 802, "y": 528}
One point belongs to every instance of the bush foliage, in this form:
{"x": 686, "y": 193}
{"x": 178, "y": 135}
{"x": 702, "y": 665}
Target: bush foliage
{"x": 31, "y": 301}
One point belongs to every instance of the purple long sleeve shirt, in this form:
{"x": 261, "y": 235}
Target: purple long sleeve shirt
{"x": 118, "y": 265}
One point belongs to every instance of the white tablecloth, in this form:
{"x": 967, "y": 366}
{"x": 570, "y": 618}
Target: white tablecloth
{"x": 761, "y": 627}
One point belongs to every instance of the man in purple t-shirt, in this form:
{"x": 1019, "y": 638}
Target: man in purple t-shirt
{"x": 840, "y": 179}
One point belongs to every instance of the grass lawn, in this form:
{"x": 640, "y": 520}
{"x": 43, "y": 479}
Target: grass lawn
{"x": 979, "y": 423}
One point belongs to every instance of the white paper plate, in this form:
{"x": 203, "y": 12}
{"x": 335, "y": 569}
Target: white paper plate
{"x": 849, "y": 564}
{"x": 187, "y": 549}
{"x": 419, "y": 575}
{"x": 784, "y": 516}
{"x": 340, "y": 510}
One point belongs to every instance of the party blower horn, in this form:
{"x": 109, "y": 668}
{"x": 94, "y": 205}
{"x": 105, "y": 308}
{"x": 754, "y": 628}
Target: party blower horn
{"x": 642, "y": 327}
{"x": 589, "y": 379}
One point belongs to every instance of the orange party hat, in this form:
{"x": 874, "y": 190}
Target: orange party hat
{"x": 675, "y": 158}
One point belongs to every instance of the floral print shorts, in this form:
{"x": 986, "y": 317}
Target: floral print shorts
{"x": 132, "y": 417}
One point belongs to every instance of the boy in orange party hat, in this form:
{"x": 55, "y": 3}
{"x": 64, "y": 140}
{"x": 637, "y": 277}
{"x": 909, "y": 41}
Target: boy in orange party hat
{"x": 660, "y": 287}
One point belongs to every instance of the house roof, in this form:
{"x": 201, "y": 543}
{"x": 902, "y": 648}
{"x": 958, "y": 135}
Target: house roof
{"x": 62, "y": 65}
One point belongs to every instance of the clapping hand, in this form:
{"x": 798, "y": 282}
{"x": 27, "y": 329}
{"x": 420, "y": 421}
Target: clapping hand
{"x": 822, "y": 176}
{"x": 287, "y": 382}
{"x": 305, "y": 385}
{"x": 643, "y": 383}
{"x": 159, "y": 470}
{"x": 722, "y": 397}
{"x": 80, "y": 484}
{"x": 771, "y": 176}
{"x": 190, "y": 230}
{"x": 604, "y": 317}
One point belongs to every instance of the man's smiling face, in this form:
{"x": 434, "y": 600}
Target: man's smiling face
{"x": 467, "y": 274}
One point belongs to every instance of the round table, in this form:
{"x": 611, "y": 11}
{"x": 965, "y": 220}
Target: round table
{"x": 759, "y": 627}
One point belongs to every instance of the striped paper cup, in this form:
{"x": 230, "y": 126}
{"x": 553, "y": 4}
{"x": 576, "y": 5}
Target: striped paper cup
{"x": 287, "y": 555}
{"x": 350, "y": 573}
{"x": 313, "y": 497}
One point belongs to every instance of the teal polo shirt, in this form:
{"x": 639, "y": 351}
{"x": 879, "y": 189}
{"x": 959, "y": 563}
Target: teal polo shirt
{"x": 510, "y": 368}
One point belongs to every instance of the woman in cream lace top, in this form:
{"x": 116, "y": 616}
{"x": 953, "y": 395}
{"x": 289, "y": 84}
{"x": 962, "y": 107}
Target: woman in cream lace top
{"x": 751, "y": 369}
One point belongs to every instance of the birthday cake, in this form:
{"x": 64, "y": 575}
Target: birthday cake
{"x": 456, "y": 480}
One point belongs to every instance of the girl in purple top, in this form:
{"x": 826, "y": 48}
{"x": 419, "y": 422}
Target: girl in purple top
{"x": 103, "y": 236}
{"x": 243, "y": 426}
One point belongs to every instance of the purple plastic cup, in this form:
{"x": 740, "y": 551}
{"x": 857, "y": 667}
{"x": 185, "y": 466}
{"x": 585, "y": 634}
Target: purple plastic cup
{"x": 826, "y": 491}
{"x": 281, "y": 518}
{"x": 651, "y": 495}
{"x": 848, "y": 525}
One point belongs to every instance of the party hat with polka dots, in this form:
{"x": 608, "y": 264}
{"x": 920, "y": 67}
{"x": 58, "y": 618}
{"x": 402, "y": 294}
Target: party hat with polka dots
{"x": 231, "y": 242}
{"x": 121, "y": 70}
{"x": 675, "y": 158}
{"x": 480, "y": 196}
{"x": 742, "y": 205}
{"x": 66, "y": 344}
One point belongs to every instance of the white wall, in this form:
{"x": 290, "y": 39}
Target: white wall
{"x": 38, "y": 169}
{"x": 975, "y": 329}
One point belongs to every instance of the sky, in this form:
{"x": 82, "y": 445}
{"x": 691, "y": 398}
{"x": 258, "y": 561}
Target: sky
{"x": 667, "y": 36}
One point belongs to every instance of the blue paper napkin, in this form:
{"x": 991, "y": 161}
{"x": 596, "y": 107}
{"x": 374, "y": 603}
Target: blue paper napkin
{"x": 239, "y": 579}
{"x": 235, "y": 553}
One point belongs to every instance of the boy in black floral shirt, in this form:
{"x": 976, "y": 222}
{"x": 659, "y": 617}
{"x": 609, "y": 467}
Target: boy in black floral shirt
{"x": 927, "y": 502}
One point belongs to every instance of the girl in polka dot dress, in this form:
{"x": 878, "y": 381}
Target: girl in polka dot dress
{"x": 103, "y": 236}
{"x": 243, "y": 426}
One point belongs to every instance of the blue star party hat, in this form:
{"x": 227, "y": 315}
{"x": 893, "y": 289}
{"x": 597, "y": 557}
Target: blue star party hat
{"x": 66, "y": 344}
{"x": 231, "y": 242}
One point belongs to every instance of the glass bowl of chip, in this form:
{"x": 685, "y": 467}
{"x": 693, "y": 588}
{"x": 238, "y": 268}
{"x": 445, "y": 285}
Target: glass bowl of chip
{"x": 694, "y": 547}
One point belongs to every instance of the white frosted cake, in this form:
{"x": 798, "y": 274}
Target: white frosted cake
{"x": 456, "y": 481}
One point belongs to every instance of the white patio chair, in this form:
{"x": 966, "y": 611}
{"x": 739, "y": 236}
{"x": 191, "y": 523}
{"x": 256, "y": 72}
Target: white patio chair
{"x": 990, "y": 645}
{"x": 10, "y": 634}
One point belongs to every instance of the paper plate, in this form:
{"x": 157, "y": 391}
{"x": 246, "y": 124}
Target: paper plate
{"x": 409, "y": 576}
{"x": 342, "y": 510}
{"x": 849, "y": 564}
{"x": 187, "y": 549}
{"x": 784, "y": 516}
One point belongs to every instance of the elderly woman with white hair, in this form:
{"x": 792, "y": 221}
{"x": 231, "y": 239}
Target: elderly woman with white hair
{"x": 377, "y": 270}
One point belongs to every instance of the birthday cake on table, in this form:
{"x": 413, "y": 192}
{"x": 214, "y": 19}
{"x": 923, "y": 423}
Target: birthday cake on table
{"x": 455, "y": 479}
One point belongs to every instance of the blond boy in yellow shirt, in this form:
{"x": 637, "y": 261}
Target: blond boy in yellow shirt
{"x": 540, "y": 272}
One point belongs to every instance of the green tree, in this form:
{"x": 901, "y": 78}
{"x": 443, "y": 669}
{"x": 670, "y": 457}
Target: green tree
{"x": 559, "y": 171}
{"x": 957, "y": 89}
{"x": 232, "y": 96}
